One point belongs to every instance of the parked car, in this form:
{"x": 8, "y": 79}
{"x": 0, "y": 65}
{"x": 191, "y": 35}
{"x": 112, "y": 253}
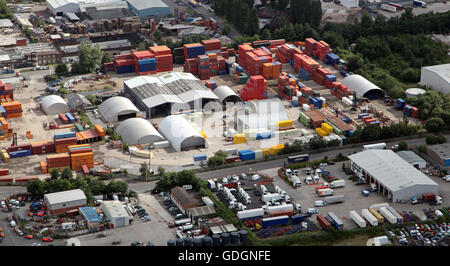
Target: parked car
{"x": 29, "y": 236}
{"x": 47, "y": 239}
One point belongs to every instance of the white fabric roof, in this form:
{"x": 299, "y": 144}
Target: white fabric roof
{"x": 144, "y": 4}
{"x": 138, "y": 131}
{"x": 141, "y": 80}
{"x": 390, "y": 170}
{"x": 442, "y": 71}
{"x": 223, "y": 92}
{"x": 115, "y": 106}
{"x": 359, "y": 84}
{"x": 65, "y": 196}
{"x": 54, "y": 104}
{"x": 176, "y": 130}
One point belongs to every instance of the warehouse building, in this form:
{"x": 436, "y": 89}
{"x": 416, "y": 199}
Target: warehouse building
{"x": 440, "y": 153}
{"x": 201, "y": 212}
{"x": 146, "y": 8}
{"x": 436, "y": 77}
{"x": 78, "y": 102}
{"x": 138, "y": 131}
{"x": 182, "y": 199}
{"x": 90, "y": 216}
{"x": 413, "y": 159}
{"x": 226, "y": 94}
{"x": 363, "y": 87}
{"x": 181, "y": 135}
{"x": 61, "y": 7}
{"x": 392, "y": 175}
{"x": 59, "y": 203}
{"x": 116, "y": 214}
{"x": 97, "y": 11}
{"x": 54, "y": 104}
{"x": 117, "y": 109}
{"x": 260, "y": 114}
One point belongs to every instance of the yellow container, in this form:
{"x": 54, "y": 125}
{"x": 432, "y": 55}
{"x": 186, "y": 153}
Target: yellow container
{"x": 276, "y": 149}
{"x": 203, "y": 134}
{"x": 285, "y": 123}
{"x": 238, "y": 138}
{"x": 321, "y": 132}
{"x": 327, "y": 128}
{"x": 324, "y": 105}
{"x": 265, "y": 152}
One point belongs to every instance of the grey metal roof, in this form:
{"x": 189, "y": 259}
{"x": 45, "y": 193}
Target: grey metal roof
{"x": 202, "y": 211}
{"x": 227, "y": 228}
{"x": 410, "y": 156}
{"x": 176, "y": 130}
{"x": 65, "y": 196}
{"x": 223, "y": 92}
{"x": 145, "y": 4}
{"x": 442, "y": 71}
{"x": 5, "y": 23}
{"x": 360, "y": 85}
{"x": 442, "y": 150}
{"x": 390, "y": 169}
{"x": 76, "y": 100}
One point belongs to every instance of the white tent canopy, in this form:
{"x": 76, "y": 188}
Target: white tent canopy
{"x": 180, "y": 133}
{"x": 54, "y": 104}
{"x": 138, "y": 131}
{"x": 115, "y": 107}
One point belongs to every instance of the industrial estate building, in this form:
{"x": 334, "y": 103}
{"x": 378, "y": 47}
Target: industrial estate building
{"x": 182, "y": 199}
{"x": 61, "y": 202}
{"x": 145, "y": 8}
{"x": 117, "y": 109}
{"x": 138, "y": 131}
{"x": 91, "y": 217}
{"x": 413, "y": 159}
{"x": 116, "y": 214}
{"x": 54, "y": 104}
{"x": 362, "y": 87}
{"x": 436, "y": 77}
{"x": 260, "y": 114}
{"x": 440, "y": 153}
{"x": 392, "y": 175}
{"x": 181, "y": 135}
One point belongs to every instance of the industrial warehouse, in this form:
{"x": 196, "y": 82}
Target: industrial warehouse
{"x": 392, "y": 175}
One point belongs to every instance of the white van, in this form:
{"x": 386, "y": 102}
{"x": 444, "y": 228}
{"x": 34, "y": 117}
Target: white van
{"x": 319, "y": 203}
{"x": 12, "y": 223}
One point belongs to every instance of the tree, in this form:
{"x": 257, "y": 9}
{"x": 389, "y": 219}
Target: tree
{"x": 441, "y": 139}
{"x": 157, "y": 34}
{"x": 431, "y": 139}
{"x": 226, "y": 30}
{"x": 54, "y": 174}
{"x": 145, "y": 172}
{"x": 36, "y": 188}
{"x": 67, "y": 174}
{"x": 252, "y": 22}
{"x": 434, "y": 124}
{"x": 371, "y": 132}
{"x": 317, "y": 143}
{"x": 107, "y": 57}
{"x": 61, "y": 69}
{"x": 266, "y": 35}
{"x": 402, "y": 146}
{"x": 161, "y": 170}
{"x": 90, "y": 58}
{"x": 354, "y": 63}
{"x": 126, "y": 147}
{"x": 422, "y": 149}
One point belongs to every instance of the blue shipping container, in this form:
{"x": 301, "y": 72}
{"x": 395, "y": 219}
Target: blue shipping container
{"x": 65, "y": 135}
{"x": 70, "y": 117}
{"x": 247, "y": 155}
{"x": 239, "y": 69}
{"x": 275, "y": 221}
{"x": 362, "y": 115}
{"x": 331, "y": 77}
{"x": 265, "y": 135}
{"x": 22, "y": 153}
{"x": 125, "y": 69}
{"x": 298, "y": 218}
{"x": 303, "y": 74}
{"x": 332, "y": 58}
{"x": 295, "y": 103}
{"x": 200, "y": 157}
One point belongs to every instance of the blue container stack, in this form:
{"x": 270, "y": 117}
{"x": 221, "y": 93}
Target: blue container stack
{"x": 194, "y": 51}
{"x": 374, "y": 122}
{"x": 214, "y": 84}
{"x": 298, "y": 218}
{"x": 16, "y": 154}
{"x": 247, "y": 155}
{"x": 303, "y": 74}
{"x": 239, "y": 69}
{"x": 331, "y": 77}
{"x": 65, "y": 135}
{"x": 362, "y": 115}
{"x": 2, "y": 111}
{"x": 264, "y": 135}
{"x": 146, "y": 65}
{"x": 70, "y": 117}
{"x": 291, "y": 62}
{"x": 400, "y": 103}
{"x": 331, "y": 59}
{"x": 200, "y": 157}
{"x": 125, "y": 69}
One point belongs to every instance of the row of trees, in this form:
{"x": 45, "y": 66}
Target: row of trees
{"x": 240, "y": 13}
{"x": 435, "y": 108}
{"x": 307, "y": 11}
{"x": 377, "y": 132}
{"x": 314, "y": 143}
{"x": 61, "y": 182}
{"x": 170, "y": 180}
{"x": 5, "y": 12}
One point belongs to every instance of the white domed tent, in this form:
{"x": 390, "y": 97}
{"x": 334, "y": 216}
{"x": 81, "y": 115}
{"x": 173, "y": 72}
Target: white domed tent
{"x": 117, "y": 109}
{"x": 138, "y": 131}
{"x": 54, "y": 104}
{"x": 362, "y": 87}
{"x": 226, "y": 94}
{"x": 180, "y": 134}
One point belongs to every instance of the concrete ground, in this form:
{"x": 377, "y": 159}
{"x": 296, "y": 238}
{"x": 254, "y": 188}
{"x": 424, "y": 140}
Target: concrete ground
{"x": 431, "y": 8}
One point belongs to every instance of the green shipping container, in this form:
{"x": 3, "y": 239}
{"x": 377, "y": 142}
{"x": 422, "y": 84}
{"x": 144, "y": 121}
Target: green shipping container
{"x": 336, "y": 130}
{"x": 78, "y": 127}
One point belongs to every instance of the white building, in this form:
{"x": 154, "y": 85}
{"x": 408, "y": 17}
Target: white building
{"x": 362, "y": 87}
{"x": 392, "y": 175}
{"x": 116, "y": 214}
{"x": 62, "y": 7}
{"x": 138, "y": 131}
{"x": 54, "y": 104}
{"x": 437, "y": 77}
{"x": 60, "y": 202}
{"x": 350, "y": 3}
{"x": 181, "y": 134}
{"x": 117, "y": 109}
{"x": 413, "y": 159}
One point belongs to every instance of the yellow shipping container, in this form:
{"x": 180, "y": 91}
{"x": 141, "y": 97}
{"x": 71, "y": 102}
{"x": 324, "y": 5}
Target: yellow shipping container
{"x": 324, "y": 105}
{"x": 78, "y": 146}
{"x": 321, "y": 132}
{"x": 203, "y": 134}
{"x": 285, "y": 123}
{"x": 238, "y": 138}
{"x": 265, "y": 152}
{"x": 327, "y": 128}
{"x": 276, "y": 149}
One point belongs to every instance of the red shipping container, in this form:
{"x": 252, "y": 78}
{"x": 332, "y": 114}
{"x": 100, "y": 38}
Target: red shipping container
{"x": 368, "y": 121}
{"x": 63, "y": 118}
{"x": 4, "y": 171}
{"x": 80, "y": 151}
{"x": 66, "y": 141}
{"x": 26, "y": 179}
{"x": 323, "y": 222}
{"x": 139, "y": 55}
{"x": 22, "y": 147}
{"x": 281, "y": 213}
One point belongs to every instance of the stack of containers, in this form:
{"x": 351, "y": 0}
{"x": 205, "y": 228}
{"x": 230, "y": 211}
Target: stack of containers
{"x": 19, "y": 150}
{"x": 316, "y": 102}
{"x": 285, "y": 53}
{"x": 100, "y": 131}
{"x": 254, "y": 89}
{"x": 224, "y": 52}
{"x": 70, "y": 117}
{"x": 193, "y": 50}
{"x": 222, "y": 65}
{"x": 327, "y": 128}
{"x": 238, "y": 138}
{"x": 58, "y": 161}
{"x": 178, "y": 55}
{"x": 329, "y": 79}
{"x": 271, "y": 70}
{"x": 407, "y": 110}
{"x": 64, "y": 140}
{"x": 320, "y": 75}
{"x": 211, "y": 84}
{"x": 63, "y": 118}
{"x": 343, "y": 91}
{"x": 44, "y": 167}
{"x": 191, "y": 66}
{"x": 42, "y": 147}
{"x": 213, "y": 45}
{"x": 310, "y": 46}
{"x": 212, "y": 64}
{"x": 331, "y": 59}
{"x": 5, "y": 129}
{"x": 321, "y": 132}
{"x": 13, "y": 109}
{"x": 81, "y": 155}
{"x": 400, "y": 103}
{"x": 203, "y": 67}
{"x": 243, "y": 49}
{"x": 144, "y": 62}
{"x": 164, "y": 59}
{"x": 124, "y": 63}
{"x": 247, "y": 155}
{"x": 308, "y": 68}
{"x": 2, "y": 111}
{"x": 276, "y": 43}
{"x": 6, "y": 92}
{"x": 298, "y": 58}
{"x": 5, "y": 156}
{"x": 323, "y": 49}
{"x": 274, "y": 150}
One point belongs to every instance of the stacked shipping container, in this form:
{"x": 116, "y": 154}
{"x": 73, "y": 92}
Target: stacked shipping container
{"x": 6, "y": 93}
{"x": 164, "y": 58}
{"x": 5, "y": 129}
{"x": 254, "y": 89}
{"x": 81, "y": 155}
{"x": 13, "y": 109}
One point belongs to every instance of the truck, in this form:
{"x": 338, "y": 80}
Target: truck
{"x": 321, "y": 187}
{"x": 337, "y": 183}
{"x": 296, "y": 181}
{"x": 357, "y": 219}
{"x": 375, "y": 146}
{"x": 421, "y": 4}
{"x": 389, "y": 8}
{"x": 325, "y": 192}
{"x": 334, "y": 220}
{"x": 211, "y": 185}
{"x": 298, "y": 158}
{"x": 298, "y": 218}
{"x": 323, "y": 222}
{"x": 377, "y": 215}
{"x": 420, "y": 215}
{"x": 250, "y": 214}
{"x": 282, "y": 207}
{"x": 179, "y": 222}
{"x": 396, "y": 214}
{"x": 186, "y": 227}
{"x": 388, "y": 215}
{"x": 335, "y": 199}
{"x": 271, "y": 197}
{"x": 432, "y": 198}
{"x": 373, "y": 221}
{"x": 279, "y": 220}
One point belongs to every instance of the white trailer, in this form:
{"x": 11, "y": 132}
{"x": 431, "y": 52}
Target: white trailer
{"x": 182, "y": 221}
{"x": 325, "y": 192}
{"x": 396, "y": 214}
{"x": 422, "y": 217}
{"x": 282, "y": 207}
{"x": 379, "y": 205}
{"x": 259, "y": 212}
{"x": 337, "y": 183}
{"x": 389, "y": 8}
{"x": 357, "y": 219}
{"x": 207, "y": 201}
{"x": 376, "y": 146}
{"x": 369, "y": 217}
{"x": 271, "y": 197}
{"x": 335, "y": 199}
{"x": 388, "y": 215}
{"x": 296, "y": 181}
